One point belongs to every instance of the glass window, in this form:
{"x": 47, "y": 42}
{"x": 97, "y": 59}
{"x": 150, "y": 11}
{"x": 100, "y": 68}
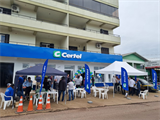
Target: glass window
{"x": 95, "y": 6}
{"x": 76, "y": 2}
{"x": 25, "y": 65}
{"x": 80, "y": 67}
{"x": 69, "y": 67}
{"x": 52, "y": 66}
{"x": 2, "y": 38}
{"x": 99, "y": 78}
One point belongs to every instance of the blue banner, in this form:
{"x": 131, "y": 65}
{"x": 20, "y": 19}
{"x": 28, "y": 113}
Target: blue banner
{"x": 43, "y": 73}
{"x": 124, "y": 79}
{"x": 87, "y": 79}
{"x": 154, "y": 78}
{"x": 55, "y": 54}
{"x": 135, "y": 78}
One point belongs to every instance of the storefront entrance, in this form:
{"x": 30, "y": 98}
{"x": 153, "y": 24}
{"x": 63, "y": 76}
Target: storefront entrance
{"x": 6, "y": 73}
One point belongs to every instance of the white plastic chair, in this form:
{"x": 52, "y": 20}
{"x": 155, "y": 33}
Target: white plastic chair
{"x": 74, "y": 91}
{"x": 35, "y": 98}
{"x": 83, "y": 93}
{"x": 6, "y": 103}
{"x": 144, "y": 94}
{"x": 105, "y": 94}
{"x": 95, "y": 91}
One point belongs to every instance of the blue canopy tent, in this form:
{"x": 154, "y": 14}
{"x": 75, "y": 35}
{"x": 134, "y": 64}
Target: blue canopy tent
{"x": 37, "y": 70}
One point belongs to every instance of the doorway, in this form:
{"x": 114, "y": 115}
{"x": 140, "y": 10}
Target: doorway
{"x": 70, "y": 72}
{"x": 6, "y": 73}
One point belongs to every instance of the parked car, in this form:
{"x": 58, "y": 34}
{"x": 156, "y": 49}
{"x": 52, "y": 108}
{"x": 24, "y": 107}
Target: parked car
{"x": 145, "y": 83}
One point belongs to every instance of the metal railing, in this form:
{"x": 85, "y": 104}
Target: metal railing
{"x": 55, "y": 47}
{"x": 56, "y": 23}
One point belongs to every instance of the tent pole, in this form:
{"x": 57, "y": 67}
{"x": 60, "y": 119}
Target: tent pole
{"x": 113, "y": 89}
{"x": 147, "y": 85}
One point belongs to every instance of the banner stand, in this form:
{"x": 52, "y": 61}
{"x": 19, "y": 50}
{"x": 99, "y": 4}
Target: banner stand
{"x": 147, "y": 85}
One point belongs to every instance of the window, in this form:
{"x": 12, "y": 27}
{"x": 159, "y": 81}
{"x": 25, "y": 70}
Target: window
{"x": 69, "y": 67}
{"x": 95, "y": 6}
{"x": 104, "y": 50}
{"x": 99, "y": 78}
{"x": 5, "y": 10}
{"x": 25, "y": 65}
{"x": 48, "y": 45}
{"x": 73, "y": 48}
{"x": 4, "y": 38}
{"x": 52, "y": 66}
{"x": 104, "y": 31}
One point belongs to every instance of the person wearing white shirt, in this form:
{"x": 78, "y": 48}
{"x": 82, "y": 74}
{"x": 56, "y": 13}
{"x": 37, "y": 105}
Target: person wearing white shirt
{"x": 132, "y": 83}
{"x": 71, "y": 88}
{"x": 114, "y": 84}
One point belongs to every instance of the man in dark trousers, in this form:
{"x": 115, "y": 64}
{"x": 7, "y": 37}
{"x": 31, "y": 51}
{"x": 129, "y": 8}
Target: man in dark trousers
{"x": 138, "y": 87}
{"x": 92, "y": 80}
{"x": 62, "y": 88}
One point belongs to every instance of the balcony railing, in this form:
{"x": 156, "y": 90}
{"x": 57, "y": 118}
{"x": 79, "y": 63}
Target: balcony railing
{"x": 55, "y": 47}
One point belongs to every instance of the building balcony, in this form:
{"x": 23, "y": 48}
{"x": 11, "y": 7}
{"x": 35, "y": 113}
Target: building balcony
{"x": 72, "y": 10}
{"x": 32, "y": 24}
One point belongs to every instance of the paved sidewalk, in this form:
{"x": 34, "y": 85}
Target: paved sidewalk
{"x": 82, "y": 103}
{"x": 145, "y": 111}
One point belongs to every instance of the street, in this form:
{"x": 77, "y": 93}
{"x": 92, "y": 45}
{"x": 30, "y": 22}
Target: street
{"x": 142, "y": 111}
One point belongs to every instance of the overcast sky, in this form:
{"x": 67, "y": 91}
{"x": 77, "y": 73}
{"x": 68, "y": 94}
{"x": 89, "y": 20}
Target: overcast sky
{"x": 139, "y": 27}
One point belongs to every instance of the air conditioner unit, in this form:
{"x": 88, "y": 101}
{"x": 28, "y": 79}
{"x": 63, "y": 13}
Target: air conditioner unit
{"x": 1, "y": 10}
{"x": 15, "y": 8}
{"x": 98, "y": 45}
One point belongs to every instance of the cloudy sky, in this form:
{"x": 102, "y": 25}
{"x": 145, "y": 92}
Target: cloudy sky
{"x": 139, "y": 27}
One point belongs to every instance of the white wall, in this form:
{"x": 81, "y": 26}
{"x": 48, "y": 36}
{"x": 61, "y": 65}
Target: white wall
{"x": 19, "y": 36}
{"x": 92, "y": 47}
{"x": 60, "y": 65}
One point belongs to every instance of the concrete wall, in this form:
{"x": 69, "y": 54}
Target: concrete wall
{"x": 19, "y": 37}
{"x": 33, "y": 25}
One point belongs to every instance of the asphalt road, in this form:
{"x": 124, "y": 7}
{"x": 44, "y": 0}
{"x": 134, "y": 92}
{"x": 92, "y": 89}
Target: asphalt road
{"x": 144, "y": 111}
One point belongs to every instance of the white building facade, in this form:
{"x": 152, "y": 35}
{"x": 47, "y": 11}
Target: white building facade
{"x": 31, "y": 31}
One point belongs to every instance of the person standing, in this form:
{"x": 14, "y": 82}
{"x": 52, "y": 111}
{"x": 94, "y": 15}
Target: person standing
{"x": 132, "y": 83}
{"x": 68, "y": 78}
{"x": 28, "y": 85}
{"x": 77, "y": 81}
{"x": 114, "y": 82}
{"x": 20, "y": 83}
{"x": 71, "y": 88}
{"x": 9, "y": 91}
{"x": 46, "y": 84}
{"x": 92, "y": 80}
{"x": 138, "y": 87}
{"x": 57, "y": 79}
{"x": 38, "y": 83}
{"x": 62, "y": 88}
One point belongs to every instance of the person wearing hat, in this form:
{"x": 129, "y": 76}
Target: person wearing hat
{"x": 9, "y": 91}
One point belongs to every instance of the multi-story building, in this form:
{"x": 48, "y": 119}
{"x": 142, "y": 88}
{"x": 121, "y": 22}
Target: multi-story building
{"x": 75, "y": 31}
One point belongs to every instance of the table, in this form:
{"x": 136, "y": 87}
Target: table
{"x": 79, "y": 89}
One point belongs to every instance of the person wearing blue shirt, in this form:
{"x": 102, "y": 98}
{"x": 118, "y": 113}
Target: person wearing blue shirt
{"x": 9, "y": 91}
{"x": 20, "y": 82}
{"x": 28, "y": 85}
{"x": 138, "y": 87}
